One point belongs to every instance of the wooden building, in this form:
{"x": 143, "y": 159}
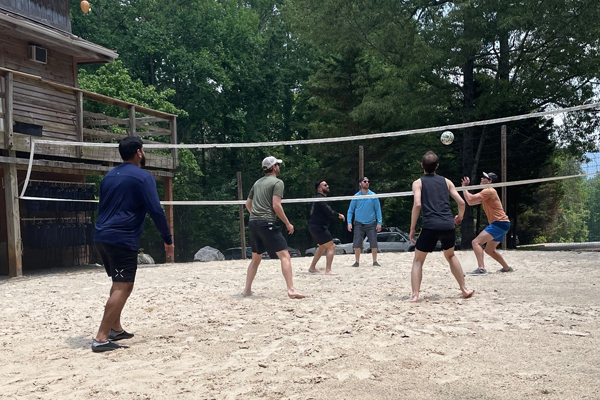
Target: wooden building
{"x": 40, "y": 99}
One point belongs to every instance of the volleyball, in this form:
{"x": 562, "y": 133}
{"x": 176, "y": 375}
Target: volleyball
{"x": 447, "y": 137}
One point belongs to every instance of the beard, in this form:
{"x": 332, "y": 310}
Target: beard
{"x": 143, "y": 161}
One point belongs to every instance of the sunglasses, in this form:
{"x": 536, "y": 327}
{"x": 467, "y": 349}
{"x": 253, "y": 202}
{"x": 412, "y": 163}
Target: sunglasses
{"x": 366, "y": 181}
{"x": 324, "y": 184}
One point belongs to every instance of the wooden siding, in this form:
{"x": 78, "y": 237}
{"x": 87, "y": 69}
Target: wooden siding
{"x": 50, "y": 12}
{"x": 42, "y": 105}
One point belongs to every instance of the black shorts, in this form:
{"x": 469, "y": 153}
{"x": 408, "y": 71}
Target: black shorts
{"x": 429, "y": 237}
{"x": 120, "y": 263}
{"x": 320, "y": 233}
{"x": 266, "y": 236}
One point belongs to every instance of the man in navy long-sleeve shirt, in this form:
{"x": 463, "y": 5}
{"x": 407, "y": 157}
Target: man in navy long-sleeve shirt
{"x": 127, "y": 193}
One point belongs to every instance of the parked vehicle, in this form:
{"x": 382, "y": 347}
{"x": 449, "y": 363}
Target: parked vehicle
{"x": 390, "y": 242}
{"x": 293, "y": 253}
{"x": 339, "y": 248}
{"x": 235, "y": 253}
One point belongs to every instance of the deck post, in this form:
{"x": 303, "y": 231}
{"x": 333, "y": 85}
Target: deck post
{"x": 13, "y": 219}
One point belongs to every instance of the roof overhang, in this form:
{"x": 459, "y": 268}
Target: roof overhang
{"x": 83, "y": 51}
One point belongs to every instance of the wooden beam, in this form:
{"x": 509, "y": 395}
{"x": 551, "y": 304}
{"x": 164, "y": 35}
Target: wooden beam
{"x": 79, "y": 150}
{"x": 8, "y": 111}
{"x": 13, "y": 217}
{"x": 124, "y": 104}
{"x": 69, "y": 167}
{"x": 241, "y": 216}
{"x": 131, "y": 131}
{"x": 104, "y": 120}
{"x": 169, "y": 210}
{"x": 45, "y": 124}
{"x": 503, "y": 172}
{"x": 174, "y": 152}
{"x": 92, "y": 133}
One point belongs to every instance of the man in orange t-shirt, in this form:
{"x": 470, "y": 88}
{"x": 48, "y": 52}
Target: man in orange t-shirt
{"x": 494, "y": 233}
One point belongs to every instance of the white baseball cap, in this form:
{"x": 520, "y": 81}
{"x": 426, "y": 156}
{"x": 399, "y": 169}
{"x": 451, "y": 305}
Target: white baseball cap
{"x": 268, "y": 162}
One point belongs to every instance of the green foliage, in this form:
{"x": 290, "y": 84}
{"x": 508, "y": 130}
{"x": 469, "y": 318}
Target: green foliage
{"x": 113, "y": 80}
{"x": 593, "y": 206}
{"x": 271, "y": 70}
{"x": 560, "y": 211}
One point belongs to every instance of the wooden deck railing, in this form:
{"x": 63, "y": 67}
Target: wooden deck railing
{"x": 59, "y": 110}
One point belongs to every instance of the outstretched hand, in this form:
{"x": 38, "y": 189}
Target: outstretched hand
{"x": 466, "y": 181}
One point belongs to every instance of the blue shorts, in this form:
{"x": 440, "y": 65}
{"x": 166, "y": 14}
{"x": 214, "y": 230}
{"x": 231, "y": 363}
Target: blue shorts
{"x": 498, "y": 230}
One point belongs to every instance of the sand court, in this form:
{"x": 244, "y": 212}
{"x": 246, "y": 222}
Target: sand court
{"x": 531, "y": 334}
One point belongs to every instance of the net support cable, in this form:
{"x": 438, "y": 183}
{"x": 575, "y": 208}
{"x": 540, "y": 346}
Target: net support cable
{"x": 312, "y": 141}
{"x": 335, "y": 198}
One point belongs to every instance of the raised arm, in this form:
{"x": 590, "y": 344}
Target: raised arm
{"x": 471, "y": 199}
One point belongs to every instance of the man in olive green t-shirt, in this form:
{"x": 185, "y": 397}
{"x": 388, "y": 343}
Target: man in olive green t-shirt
{"x": 264, "y": 205}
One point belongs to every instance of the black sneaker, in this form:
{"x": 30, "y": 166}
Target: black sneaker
{"x": 478, "y": 272}
{"x": 355, "y": 265}
{"x": 510, "y": 269}
{"x": 376, "y": 264}
{"x": 99, "y": 347}
{"x": 114, "y": 336}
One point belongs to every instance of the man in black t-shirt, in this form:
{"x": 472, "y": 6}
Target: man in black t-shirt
{"x": 318, "y": 226}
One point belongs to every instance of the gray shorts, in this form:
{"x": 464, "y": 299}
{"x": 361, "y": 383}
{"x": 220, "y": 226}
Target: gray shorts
{"x": 360, "y": 230}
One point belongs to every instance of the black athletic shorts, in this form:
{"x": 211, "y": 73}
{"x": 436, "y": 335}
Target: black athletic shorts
{"x": 429, "y": 237}
{"x": 320, "y": 233}
{"x": 120, "y": 263}
{"x": 266, "y": 236}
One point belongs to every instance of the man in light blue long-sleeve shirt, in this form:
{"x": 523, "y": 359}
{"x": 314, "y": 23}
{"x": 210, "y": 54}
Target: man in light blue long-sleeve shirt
{"x": 367, "y": 221}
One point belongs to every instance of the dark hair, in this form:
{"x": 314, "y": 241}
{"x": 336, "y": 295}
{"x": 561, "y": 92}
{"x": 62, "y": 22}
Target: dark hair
{"x": 430, "y": 162}
{"x": 129, "y": 146}
{"x": 361, "y": 179}
{"x": 319, "y": 184}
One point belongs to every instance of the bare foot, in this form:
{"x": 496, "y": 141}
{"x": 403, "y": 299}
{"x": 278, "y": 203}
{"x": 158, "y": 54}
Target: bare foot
{"x": 313, "y": 271}
{"x": 413, "y": 299}
{"x": 468, "y": 294}
{"x": 244, "y": 294}
{"x": 292, "y": 294}
{"x": 330, "y": 273}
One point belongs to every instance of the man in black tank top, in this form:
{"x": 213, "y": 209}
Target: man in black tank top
{"x": 432, "y": 196}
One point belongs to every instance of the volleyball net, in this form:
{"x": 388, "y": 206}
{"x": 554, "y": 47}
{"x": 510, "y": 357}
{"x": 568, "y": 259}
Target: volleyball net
{"x": 546, "y": 198}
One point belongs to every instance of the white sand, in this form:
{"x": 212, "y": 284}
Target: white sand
{"x": 533, "y": 334}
